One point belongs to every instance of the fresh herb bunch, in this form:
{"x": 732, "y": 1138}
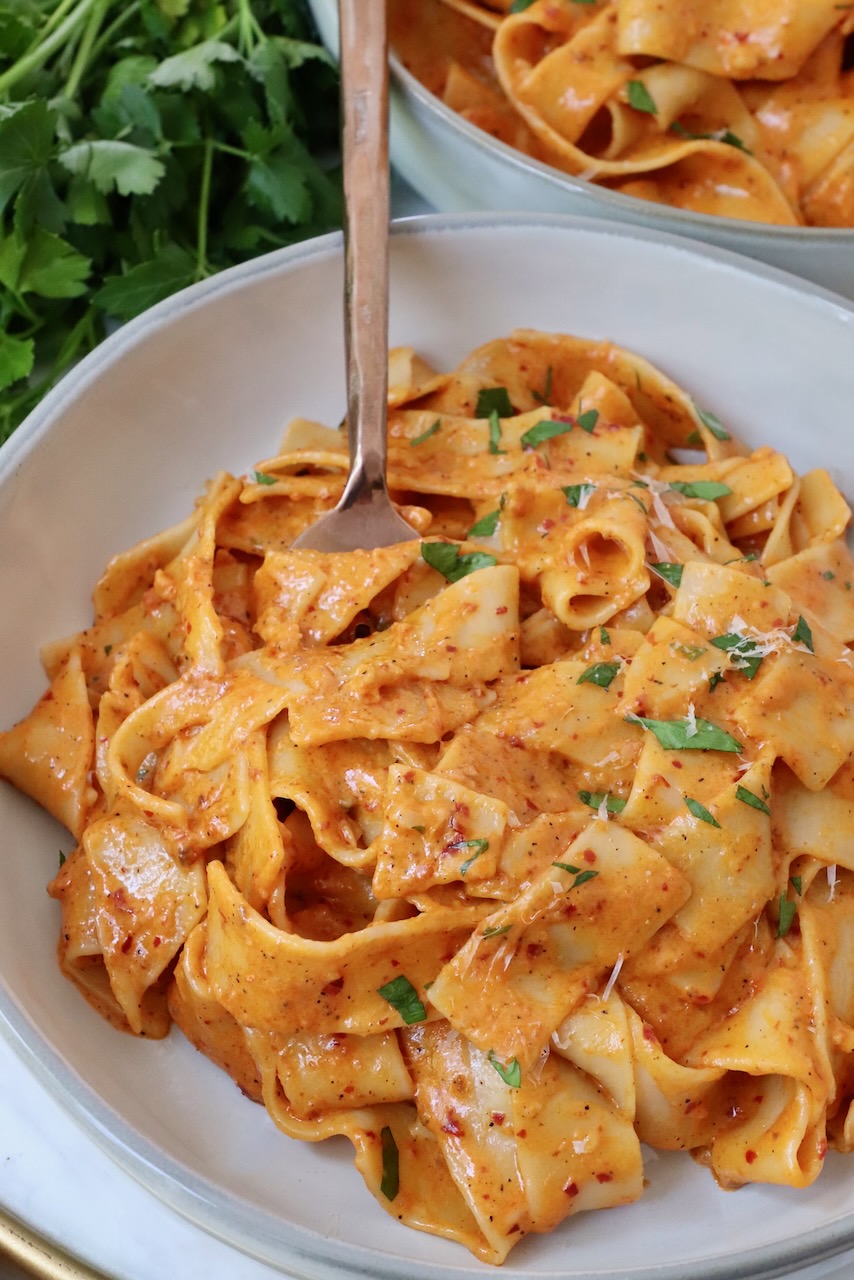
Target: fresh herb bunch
{"x": 145, "y": 145}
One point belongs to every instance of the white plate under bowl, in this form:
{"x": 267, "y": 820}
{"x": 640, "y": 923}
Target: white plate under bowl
{"x": 122, "y": 446}
{"x": 455, "y": 167}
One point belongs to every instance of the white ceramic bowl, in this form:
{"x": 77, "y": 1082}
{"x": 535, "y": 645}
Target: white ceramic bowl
{"x": 455, "y": 166}
{"x": 121, "y": 447}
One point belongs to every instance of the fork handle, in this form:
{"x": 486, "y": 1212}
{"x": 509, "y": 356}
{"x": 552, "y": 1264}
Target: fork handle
{"x": 364, "y": 98}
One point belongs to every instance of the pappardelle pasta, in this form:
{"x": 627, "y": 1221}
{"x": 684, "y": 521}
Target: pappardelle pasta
{"x": 502, "y": 851}
{"x": 726, "y": 107}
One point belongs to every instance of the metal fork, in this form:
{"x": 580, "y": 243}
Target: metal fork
{"x": 365, "y": 515}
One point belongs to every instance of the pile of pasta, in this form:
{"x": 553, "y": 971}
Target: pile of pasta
{"x": 737, "y": 108}
{"x": 501, "y": 851}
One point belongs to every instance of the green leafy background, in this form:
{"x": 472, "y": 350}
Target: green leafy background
{"x": 145, "y": 145}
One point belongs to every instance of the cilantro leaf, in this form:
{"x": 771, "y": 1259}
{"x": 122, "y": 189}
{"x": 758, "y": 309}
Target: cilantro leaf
{"x": 447, "y": 559}
{"x": 690, "y": 734}
{"x": 404, "y": 999}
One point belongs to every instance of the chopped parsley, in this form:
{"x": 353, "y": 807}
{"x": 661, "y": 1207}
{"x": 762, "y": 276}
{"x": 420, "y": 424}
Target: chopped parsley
{"x": 744, "y": 653}
{"x": 690, "y": 734}
{"x": 581, "y": 877}
{"x": 495, "y": 432}
{"x": 479, "y": 847}
{"x": 719, "y": 135}
{"x": 802, "y": 634}
{"x": 495, "y": 930}
{"x": 577, "y": 495}
{"x": 546, "y": 429}
{"x": 787, "y": 912}
{"x": 707, "y": 489}
{"x": 544, "y": 396}
{"x": 604, "y": 638}
{"x": 828, "y": 575}
{"x": 261, "y": 477}
{"x": 700, "y": 811}
{"x": 493, "y": 400}
{"x": 446, "y": 558}
{"x": 711, "y": 422}
{"x": 390, "y": 1180}
{"x": 750, "y": 797}
{"x": 640, "y": 97}
{"x": 485, "y": 527}
{"x": 425, "y": 435}
{"x": 404, "y": 999}
{"x": 613, "y": 804}
{"x": 587, "y": 420}
{"x": 510, "y": 1072}
{"x": 601, "y": 673}
{"x": 668, "y": 570}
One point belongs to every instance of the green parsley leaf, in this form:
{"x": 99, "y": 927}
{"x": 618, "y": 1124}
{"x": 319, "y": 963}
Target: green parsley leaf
{"x": 712, "y": 423}
{"x": 446, "y": 558}
{"x": 126, "y": 296}
{"x": 828, "y": 575}
{"x": 594, "y": 799}
{"x": 797, "y": 884}
{"x": 640, "y": 97}
{"x": 493, "y": 400}
{"x": 690, "y": 651}
{"x": 716, "y": 678}
{"x": 479, "y": 847}
{"x": 668, "y": 570}
{"x": 546, "y": 429}
{"x": 750, "y": 797}
{"x": 390, "y": 1180}
{"x": 587, "y": 420}
{"x": 262, "y": 477}
{"x": 61, "y": 858}
{"x": 787, "y": 912}
{"x": 707, "y": 489}
{"x": 194, "y": 68}
{"x": 688, "y": 734}
{"x": 744, "y": 653}
{"x": 485, "y": 527}
{"x": 601, "y": 673}
{"x": 543, "y": 397}
{"x": 495, "y": 433}
{"x": 802, "y": 634}
{"x": 604, "y": 638}
{"x": 425, "y": 435}
{"x": 510, "y": 1072}
{"x": 17, "y": 356}
{"x": 519, "y": 6}
{"x": 700, "y": 811}
{"x": 403, "y": 998}
{"x": 115, "y": 166}
{"x": 419, "y": 829}
{"x": 495, "y": 930}
{"x": 576, "y": 494}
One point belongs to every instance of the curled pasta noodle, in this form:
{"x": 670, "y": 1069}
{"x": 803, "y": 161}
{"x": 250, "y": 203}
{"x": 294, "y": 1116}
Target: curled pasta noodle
{"x": 505, "y": 850}
{"x": 741, "y": 111}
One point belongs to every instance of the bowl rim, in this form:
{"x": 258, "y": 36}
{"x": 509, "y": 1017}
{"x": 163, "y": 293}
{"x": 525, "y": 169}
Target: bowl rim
{"x": 618, "y": 205}
{"x": 206, "y": 1204}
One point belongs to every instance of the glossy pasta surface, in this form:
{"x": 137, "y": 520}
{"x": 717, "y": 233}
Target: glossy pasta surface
{"x": 503, "y": 851}
{"x": 740, "y": 110}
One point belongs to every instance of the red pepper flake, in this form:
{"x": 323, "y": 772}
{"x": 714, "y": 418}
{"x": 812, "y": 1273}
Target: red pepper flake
{"x": 155, "y": 942}
{"x": 502, "y": 608}
{"x": 604, "y": 1177}
{"x": 498, "y": 1117}
{"x": 521, "y": 1133}
{"x": 677, "y": 764}
{"x": 750, "y": 1156}
{"x": 333, "y": 988}
{"x": 127, "y": 944}
{"x": 571, "y": 1189}
{"x": 452, "y": 1125}
{"x": 649, "y": 1033}
{"x": 589, "y": 856}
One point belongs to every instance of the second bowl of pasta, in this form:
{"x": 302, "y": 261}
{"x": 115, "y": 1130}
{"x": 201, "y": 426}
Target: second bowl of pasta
{"x": 713, "y": 121}
{"x": 507, "y": 871}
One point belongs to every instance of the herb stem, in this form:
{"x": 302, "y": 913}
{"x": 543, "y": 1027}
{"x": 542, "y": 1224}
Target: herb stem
{"x": 204, "y": 210}
{"x": 39, "y": 54}
{"x": 85, "y": 47}
{"x": 107, "y": 36}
